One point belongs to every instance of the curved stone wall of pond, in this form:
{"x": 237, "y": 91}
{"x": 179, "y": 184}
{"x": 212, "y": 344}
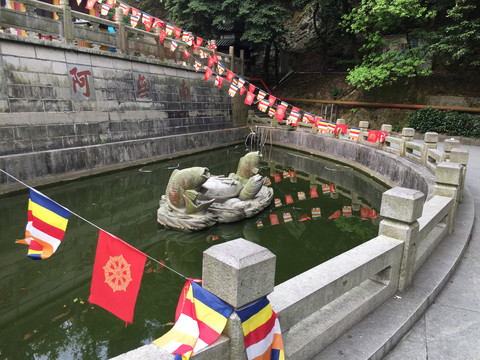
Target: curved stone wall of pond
{"x": 389, "y": 168}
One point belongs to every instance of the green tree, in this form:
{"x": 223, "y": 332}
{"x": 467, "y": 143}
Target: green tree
{"x": 385, "y": 62}
{"x": 457, "y": 40}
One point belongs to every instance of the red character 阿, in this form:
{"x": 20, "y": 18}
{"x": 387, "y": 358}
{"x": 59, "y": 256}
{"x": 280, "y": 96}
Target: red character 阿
{"x": 81, "y": 79}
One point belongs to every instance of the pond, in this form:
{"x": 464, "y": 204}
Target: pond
{"x": 44, "y": 311}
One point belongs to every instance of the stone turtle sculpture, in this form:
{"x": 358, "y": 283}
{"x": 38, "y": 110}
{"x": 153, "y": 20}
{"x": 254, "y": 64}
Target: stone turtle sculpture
{"x": 195, "y": 200}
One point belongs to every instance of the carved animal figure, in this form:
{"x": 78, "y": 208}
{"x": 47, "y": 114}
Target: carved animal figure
{"x": 247, "y": 166}
{"x": 181, "y": 189}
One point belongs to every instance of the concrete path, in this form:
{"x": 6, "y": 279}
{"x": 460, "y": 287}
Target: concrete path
{"x": 450, "y": 328}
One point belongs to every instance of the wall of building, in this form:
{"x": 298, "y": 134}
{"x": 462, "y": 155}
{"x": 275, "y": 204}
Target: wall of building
{"x": 89, "y": 109}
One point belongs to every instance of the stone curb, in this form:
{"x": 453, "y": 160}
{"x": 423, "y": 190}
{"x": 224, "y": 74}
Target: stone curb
{"x": 379, "y": 332}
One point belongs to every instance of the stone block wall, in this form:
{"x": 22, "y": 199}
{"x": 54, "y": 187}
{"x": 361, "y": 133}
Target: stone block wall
{"x": 56, "y": 98}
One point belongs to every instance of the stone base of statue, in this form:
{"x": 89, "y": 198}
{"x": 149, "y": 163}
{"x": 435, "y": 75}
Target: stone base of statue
{"x": 194, "y": 200}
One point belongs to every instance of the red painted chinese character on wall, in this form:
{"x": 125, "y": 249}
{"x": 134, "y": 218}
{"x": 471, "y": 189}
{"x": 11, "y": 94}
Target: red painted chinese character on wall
{"x": 143, "y": 91}
{"x": 80, "y": 78}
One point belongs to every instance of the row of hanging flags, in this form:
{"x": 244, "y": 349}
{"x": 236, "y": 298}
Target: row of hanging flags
{"x": 265, "y": 102}
{"x": 117, "y": 273}
{"x": 316, "y": 213}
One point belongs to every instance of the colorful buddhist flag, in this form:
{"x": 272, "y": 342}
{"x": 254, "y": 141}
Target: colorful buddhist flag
{"x": 158, "y": 23}
{"x": 261, "y": 331}
{"x": 249, "y": 98}
{"x": 173, "y": 46}
{"x": 277, "y": 202}
{"x": 147, "y": 21}
{"x": 288, "y": 199}
{"x": 301, "y": 195}
{"x": 187, "y": 38}
{"x": 271, "y": 112}
{"x": 105, "y": 9}
{"x": 263, "y": 105}
{"x": 125, "y": 8}
{"x": 274, "y": 219}
{"x": 293, "y": 117}
{"x": 261, "y": 94}
{"x": 117, "y": 274}
{"x": 259, "y": 224}
{"x": 316, "y": 213}
{"x": 232, "y": 91}
{"x": 321, "y": 124}
{"x": 46, "y": 225}
{"x": 277, "y": 178}
{"x": 208, "y": 73}
{"x": 169, "y": 29}
{"x": 313, "y": 193}
{"x": 335, "y": 215}
{"x": 267, "y": 181}
{"x": 287, "y": 218}
{"x": 286, "y": 174}
{"x": 241, "y": 82}
{"x": 218, "y": 81}
{"x": 308, "y": 118}
{"x": 220, "y": 68}
{"x": 326, "y": 189}
{"x": 199, "y": 320}
{"x": 353, "y": 134}
{"x": 203, "y": 54}
{"x": 331, "y": 127}
{"x": 197, "y": 65}
{"x": 134, "y": 20}
{"x": 347, "y": 211}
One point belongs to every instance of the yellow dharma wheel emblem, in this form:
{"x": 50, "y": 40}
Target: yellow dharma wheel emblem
{"x": 117, "y": 273}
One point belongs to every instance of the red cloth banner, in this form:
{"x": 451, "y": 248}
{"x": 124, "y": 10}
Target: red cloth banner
{"x": 117, "y": 274}
{"x": 230, "y": 75}
{"x": 208, "y": 74}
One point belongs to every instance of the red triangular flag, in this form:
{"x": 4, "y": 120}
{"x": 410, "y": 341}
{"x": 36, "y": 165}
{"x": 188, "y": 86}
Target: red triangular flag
{"x": 186, "y": 53}
{"x": 280, "y": 113}
{"x": 135, "y": 12}
{"x": 335, "y": 215}
{"x": 208, "y": 73}
{"x": 163, "y": 35}
{"x": 274, "y": 219}
{"x": 230, "y": 75}
{"x": 199, "y": 41}
{"x": 90, "y": 4}
{"x": 364, "y": 212}
{"x": 271, "y": 100}
{"x": 178, "y": 32}
{"x": 214, "y": 57}
{"x": 304, "y": 217}
{"x": 277, "y": 177}
{"x": 148, "y": 25}
{"x": 288, "y": 199}
{"x": 242, "y": 90}
{"x": 373, "y": 136}
{"x": 117, "y": 274}
{"x": 251, "y": 88}
{"x": 313, "y": 193}
{"x": 210, "y": 61}
{"x": 249, "y": 98}
{"x": 343, "y": 128}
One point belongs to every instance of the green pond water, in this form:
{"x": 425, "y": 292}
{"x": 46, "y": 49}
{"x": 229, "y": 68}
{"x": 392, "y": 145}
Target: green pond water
{"x": 44, "y": 311}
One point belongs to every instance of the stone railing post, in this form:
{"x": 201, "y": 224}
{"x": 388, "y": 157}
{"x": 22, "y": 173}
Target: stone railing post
{"x": 239, "y": 272}
{"x": 448, "y": 146}
{"x": 67, "y": 21}
{"x": 363, "y": 125}
{"x": 231, "y": 54}
{"x": 448, "y": 176}
{"x": 407, "y": 135}
{"x": 401, "y": 208}
{"x": 388, "y": 129}
{"x": 242, "y": 62}
{"x": 121, "y": 38}
{"x": 460, "y": 156}
{"x": 430, "y": 140}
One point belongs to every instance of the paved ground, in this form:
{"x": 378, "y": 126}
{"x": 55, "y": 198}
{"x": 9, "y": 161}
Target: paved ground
{"x": 450, "y": 328}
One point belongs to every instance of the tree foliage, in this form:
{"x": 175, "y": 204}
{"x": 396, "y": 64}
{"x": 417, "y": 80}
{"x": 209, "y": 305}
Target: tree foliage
{"x": 384, "y": 62}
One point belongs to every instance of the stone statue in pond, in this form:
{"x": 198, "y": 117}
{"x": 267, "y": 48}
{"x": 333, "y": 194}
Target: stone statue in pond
{"x": 195, "y": 200}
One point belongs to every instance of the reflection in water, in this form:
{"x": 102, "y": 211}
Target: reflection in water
{"x": 44, "y": 312}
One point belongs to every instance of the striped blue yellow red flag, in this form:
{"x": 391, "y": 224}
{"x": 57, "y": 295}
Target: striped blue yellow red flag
{"x": 200, "y": 319}
{"x": 261, "y": 331}
{"x": 46, "y": 225}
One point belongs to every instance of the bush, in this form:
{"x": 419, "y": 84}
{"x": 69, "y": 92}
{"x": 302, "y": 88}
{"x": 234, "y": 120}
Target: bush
{"x": 447, "y": 122}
